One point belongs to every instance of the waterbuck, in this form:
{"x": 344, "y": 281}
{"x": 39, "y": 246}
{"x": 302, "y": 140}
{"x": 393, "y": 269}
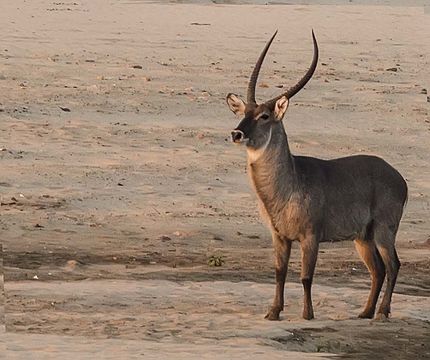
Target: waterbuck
{"x": 311, "y": 200}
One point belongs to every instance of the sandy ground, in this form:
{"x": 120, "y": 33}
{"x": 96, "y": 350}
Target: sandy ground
{"x": 118, "y": 181}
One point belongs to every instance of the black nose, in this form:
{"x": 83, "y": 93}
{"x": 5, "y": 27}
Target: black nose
{"x": 237, "y": 135}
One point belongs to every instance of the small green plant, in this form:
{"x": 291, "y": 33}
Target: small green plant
{"x": 216, "y": 260}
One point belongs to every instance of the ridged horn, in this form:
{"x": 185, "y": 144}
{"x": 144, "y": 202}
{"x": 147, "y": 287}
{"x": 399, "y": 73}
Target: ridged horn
{"x": 256, "y": 71}
{"x": 303, "y": 81}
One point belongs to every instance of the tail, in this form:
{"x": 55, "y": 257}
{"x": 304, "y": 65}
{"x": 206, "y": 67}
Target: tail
{"x": 405, "y": 202}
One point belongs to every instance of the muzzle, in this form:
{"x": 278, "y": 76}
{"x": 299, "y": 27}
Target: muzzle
{"x": 237, "y": 136}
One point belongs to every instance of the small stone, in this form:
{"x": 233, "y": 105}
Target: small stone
{"x": 71, "y": 265}
{"x": 253, "y": 237}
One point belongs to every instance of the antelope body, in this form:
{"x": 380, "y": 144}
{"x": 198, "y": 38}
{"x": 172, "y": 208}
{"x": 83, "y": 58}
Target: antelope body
{"x": 311, "y": 200}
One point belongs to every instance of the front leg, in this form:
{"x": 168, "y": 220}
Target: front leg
{"x": 309, "y": 249}
{"x": 282, "y": 256}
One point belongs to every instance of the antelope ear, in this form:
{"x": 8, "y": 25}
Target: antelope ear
{"x": 280, "y": 107}
{"x": 236, "y": 104}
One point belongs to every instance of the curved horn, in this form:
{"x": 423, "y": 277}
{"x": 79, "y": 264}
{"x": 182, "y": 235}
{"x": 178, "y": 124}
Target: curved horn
{"x": 303, "y": 81}
{"x": 254, "y": 75}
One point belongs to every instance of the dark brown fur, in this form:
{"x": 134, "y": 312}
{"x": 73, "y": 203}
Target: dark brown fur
{"x": 311, "y": 200}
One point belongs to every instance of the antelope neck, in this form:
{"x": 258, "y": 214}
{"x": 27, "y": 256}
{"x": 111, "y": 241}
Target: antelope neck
{"x": 272, "y": 172}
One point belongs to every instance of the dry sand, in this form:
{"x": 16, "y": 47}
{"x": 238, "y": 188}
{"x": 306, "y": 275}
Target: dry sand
{"x": 110, "y": 211}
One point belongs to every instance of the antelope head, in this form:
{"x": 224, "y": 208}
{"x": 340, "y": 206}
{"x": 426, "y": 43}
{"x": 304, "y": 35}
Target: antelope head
{"x": 255, "y": 128}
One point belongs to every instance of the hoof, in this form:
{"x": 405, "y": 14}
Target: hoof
{"x": 308, "y": 315}
{"x": 383, "y": 313}
{"x": 381, "y": 317}
{"x": 273, "y": 314}
{"x": 366, "y": 315}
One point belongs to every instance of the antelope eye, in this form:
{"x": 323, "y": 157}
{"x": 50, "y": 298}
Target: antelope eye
{"x": 264, "y": 117}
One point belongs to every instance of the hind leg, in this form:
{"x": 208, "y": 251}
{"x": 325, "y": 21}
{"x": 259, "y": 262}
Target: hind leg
{"x": 384, "y": 240}
{"x": 309, "y": 252}
{"x": 370, "y": 256}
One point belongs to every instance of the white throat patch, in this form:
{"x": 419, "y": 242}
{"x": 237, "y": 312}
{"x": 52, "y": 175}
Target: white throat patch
{"x": 254, "y": 155}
